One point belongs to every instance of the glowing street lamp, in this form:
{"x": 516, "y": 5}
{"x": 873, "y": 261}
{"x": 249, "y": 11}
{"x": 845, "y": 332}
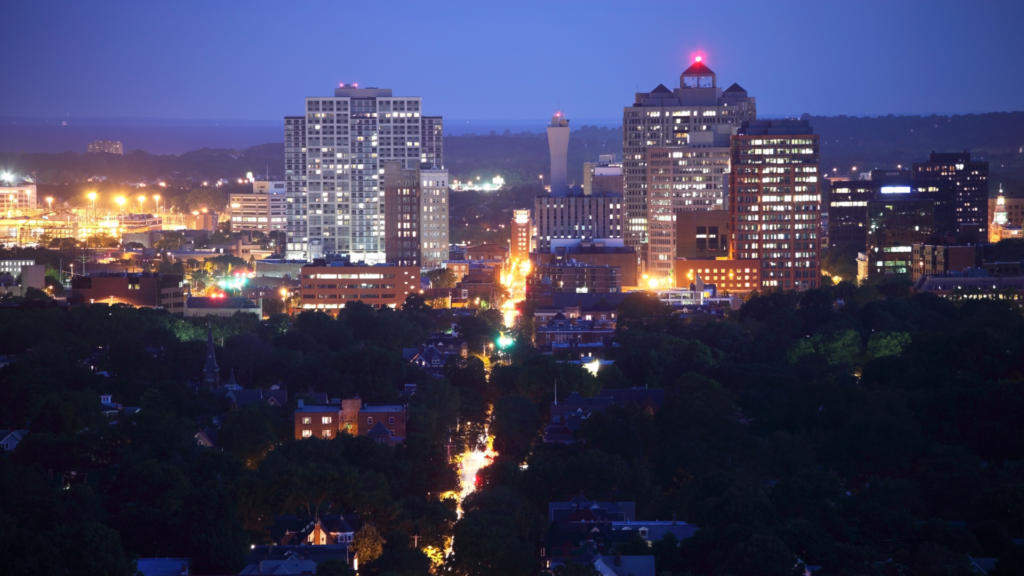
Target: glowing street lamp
{"x": 49, "y": 202}
{"x": 142, "y": 203}
{"x": 156, "y": 198}
{"x": 120, "y": 202}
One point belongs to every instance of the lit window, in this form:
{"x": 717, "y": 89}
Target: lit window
{"x": 307, "y": 433}
{"x": 325, "y": 420}
{"x": 307, "y": 420}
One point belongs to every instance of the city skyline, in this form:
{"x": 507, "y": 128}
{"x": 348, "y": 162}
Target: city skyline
{"x": 452, "y": 57}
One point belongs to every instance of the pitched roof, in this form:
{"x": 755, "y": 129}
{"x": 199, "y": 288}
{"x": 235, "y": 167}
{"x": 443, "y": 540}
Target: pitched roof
{"x": 698, "y": 68}
{"x": 660, "y": 89}
{"x": 379, "y": 431}
{"x": 735, "y": 88}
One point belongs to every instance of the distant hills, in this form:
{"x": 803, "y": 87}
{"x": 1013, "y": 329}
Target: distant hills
{"x": 846, "y": 141}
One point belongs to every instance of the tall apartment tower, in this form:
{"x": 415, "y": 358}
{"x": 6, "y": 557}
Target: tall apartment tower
{"x": 663, "y": 118}
{"x": 775, "y": 202}
{"x": 401, "y": 213}
{"x": 432, "y": 142}
{"x": 558, "y": 144}
{"x": 434, "y": 217}
{"x": 521, "y": 239}
{"x": 690, "y": 178}
{"x": 297, "y": 245}
{"x": 959, "y": 186}
{"x": 347, "y": 138}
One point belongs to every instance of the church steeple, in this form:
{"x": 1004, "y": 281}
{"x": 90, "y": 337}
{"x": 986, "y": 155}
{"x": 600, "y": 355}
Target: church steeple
{"x": 211, "y": 373}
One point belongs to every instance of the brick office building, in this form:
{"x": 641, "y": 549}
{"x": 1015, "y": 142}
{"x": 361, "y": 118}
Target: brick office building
{"x": 329, "y": 287}
{"x": 141, "y": 290}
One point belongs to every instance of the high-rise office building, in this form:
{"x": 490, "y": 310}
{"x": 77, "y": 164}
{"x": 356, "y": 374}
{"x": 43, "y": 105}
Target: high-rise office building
{"x": 434, "y": 217}
{"x": 959, "y": 186}
{"x": 297, "y": 246}
{"x": 521, "y": 238}
{"x": 558, "y": 145}
{"x": 662, "y": 118}
{"x": 107, "y": 146}
{"x": 347, "y": 138}
{"x": 848, "y": 205}
{"x": 577, "y": 216}
{"x": 401, "y": 213}
{"x": 775, "y": 202}
{"x": 895, "y": 224}
{"x": 687, "y": 178}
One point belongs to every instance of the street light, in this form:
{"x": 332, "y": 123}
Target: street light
{"x": 156, "y": 198}
{"x": 142, "y": 204}
{"x": 49, "y": 202}
{"x": 120, "y": 202}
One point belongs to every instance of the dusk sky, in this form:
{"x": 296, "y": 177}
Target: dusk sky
{"x": 509, "y": 60}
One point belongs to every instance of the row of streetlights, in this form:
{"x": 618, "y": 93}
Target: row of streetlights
{"x": 120, "y": 200}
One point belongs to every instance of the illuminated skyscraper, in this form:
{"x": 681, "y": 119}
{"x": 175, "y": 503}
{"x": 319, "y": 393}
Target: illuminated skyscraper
{"x": 347, "y": 139}
{"x": 663, "y": 118}
{"x": 959, "y": 186}
{"x": 775, "y": 202}
{"x": 434, "y": 217}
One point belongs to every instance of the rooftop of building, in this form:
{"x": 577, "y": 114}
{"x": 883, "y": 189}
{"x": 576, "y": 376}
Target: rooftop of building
{"x": 383, "y": 408}
{"x": 219, "y": 303}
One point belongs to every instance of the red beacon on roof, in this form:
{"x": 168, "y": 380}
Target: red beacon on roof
{"x": 697, "y": 59}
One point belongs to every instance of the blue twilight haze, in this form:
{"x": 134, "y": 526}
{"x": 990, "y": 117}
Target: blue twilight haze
{"x": 509, "y": 60}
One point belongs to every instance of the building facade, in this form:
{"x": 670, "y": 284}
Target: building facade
{"x": 347, "y": 139}
{"x": 329, "y": 287}
{"x": 434, "y": 217}
{"x": 262, "y": 210}
{"x": 938, "y": 260}
{"x": 558, "y": 146}
{"x": 600, "y": 252}
{"x": 959, "y": 186}
{"x": 663, "y": 118}
{"x": 726, "y": 275}
{"x": 297, "y": 246}
{"x": 895, "y": 225}
{"x": 521, "y": 237}
{"x": 401, "y": 213}
{"x": 571, "y": 276}
{"x": 694, "y": 177}
{"x": 432, "y": 142}
{"x": 775, "y": 202}
{"x": 140, "y": 290}
{"x": 702, "y": 235}
{"x": 200, "y": 306}
{"x": 107, "y": 146}
{"x": 605, "y": 175}
{"x": 599, "y": 215}
{"x": 16, "y": 200}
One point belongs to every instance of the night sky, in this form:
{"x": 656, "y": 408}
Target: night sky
{"x": 507, "y": 60}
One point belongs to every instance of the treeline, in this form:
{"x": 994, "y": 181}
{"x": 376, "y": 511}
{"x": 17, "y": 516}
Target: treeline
{"x": 880, "y": 437}
{"x": 83, "y": 495}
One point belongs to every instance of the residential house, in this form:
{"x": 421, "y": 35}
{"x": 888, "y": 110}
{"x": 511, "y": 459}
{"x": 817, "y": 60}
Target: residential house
{"x": 566, "y": 416}
{"x": 326, "y": 421}
{"x": 9, "y": 439}
{"x": 323, "y": 530}
{"x": 207, "y": 438}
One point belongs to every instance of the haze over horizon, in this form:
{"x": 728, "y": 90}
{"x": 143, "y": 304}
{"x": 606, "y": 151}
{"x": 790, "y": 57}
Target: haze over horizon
{"x": 256, "y": 61}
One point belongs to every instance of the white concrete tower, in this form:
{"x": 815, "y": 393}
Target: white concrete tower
{"x": 558, "y": 143}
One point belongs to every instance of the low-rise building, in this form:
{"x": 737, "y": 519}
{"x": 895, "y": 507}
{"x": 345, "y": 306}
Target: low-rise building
{"x": 598, "y": 251}
{"x": 199, "y": 306}
{"x": 9, "y": 439}
{"x": 564, "y": 331}
{"x": 330, "y": 286}
{"x": 350, "y": 416}
{"x": 932, "y": 259}
{"x": 141, "y": 290}
{"x": 727, "y": 275}
{"x": 487, "y": 252}
{"x": 573, "y": 277}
